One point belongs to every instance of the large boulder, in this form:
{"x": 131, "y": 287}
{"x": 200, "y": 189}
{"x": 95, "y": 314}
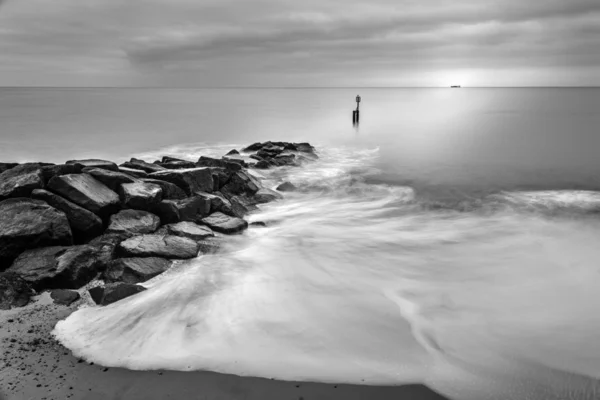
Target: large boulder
{"x": 7, "y": 166}
{"x": 178, "y": 165}
{"x": 170, "y": 191}
{"x": 222, "y": 223}
{"x": 136, "y": 173}
{"x": 241, "y": 205}
{"x": 189, "y": 230}
{"x": 136, "y": 269}
{"x": 140, "y": 195}
{"x": 284, "y": 159}
{"x": 87, "y": 192}
{"x": 253, "y": 147}
{"x": 286, "y": 187}
{"x": 64, "y": 297}
{"x": 84, "y": 224}
{"x": 134, "y": 163}
{"x": 50, "y": 171}
{"x": 204, "y": 161}
{"x": 239, "y": 183}
{"x": 112, "y": 179}
{"x": 57, "y": 267}
{"x": 20, "y": 181}
{"x": 26, "y": 224}
{"x": 106, "y": 246}
{"x": 218, "y": 202}
{"x": 93, "y": 163}
{"x": 173, "y": 247}
{"x": 133, "y": 222}
{"x": 14, "y": 291}
{"x": 188, "y": 209}
{"x": 265, "y": 195}
{"x": 190, "y": 180}
{"x": 105, "y": 295}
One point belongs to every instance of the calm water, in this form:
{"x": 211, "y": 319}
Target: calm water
{"x": 452, "y": 239}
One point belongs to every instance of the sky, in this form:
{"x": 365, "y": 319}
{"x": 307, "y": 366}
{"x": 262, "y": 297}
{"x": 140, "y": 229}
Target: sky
{"x": 307, "y": 43}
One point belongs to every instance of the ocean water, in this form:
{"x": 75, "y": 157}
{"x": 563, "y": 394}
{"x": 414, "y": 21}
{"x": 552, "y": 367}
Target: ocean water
{"x": 452, "y": 239}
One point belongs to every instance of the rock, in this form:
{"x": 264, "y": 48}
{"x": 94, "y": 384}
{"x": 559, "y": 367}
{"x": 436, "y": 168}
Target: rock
{"x": 269, "y": 152}
{"x": 111, "y": 179}
{"x": 133, "y": 222}
{"x": 20, "y": 181}
{"x": 189, "y": 209}
{"x": 222, "y": 223}
{"x": 50, "y": 171}
{"x": 26, "y": 224}
{"x": 259, "y": 224}
{"x": 167, "y": 159}
{"x": 57, "y": 266}
{"x": 134, "y": 163}
{"x": 173, "y": 247}
{"x": 178, "y": 165}
{"x": 256, "y": 157}
{"x": 285, "y": 159}
{"x": 136, "y": 173}
{"x": 140, "y": 195}
{"x": 241, "y": 182}
{"x": 242, "y": 205}
{"x": 64, "y": 297}
{"x": 210, "y": 245}
{"x": 286, "y": 187}
{"x": 14, "y": 291}
{"x": 7, "y": 166}
{"x": 84, "y": 224}
{"x": 189, "y": 230}
{"x": 218, "y": 202}
{"x": 87, "y": 192}
{"x": 190, "y": 180}
{"x": 253, "y": 147}
{"x": 265, "y": 195}
{"x": 113, "y": 292}
{"x": 170, "y": 191}
{"x": 218, "y": 163}
{"x": 220, "y": 178}
{"x": 262, "y": 164}
{"x": 106, "y": 246}
{"x": 234, "y": 151}
{"x": 91, "y": 163}
{"x": 136, "y": 270}
{"x": 304, "y": 147}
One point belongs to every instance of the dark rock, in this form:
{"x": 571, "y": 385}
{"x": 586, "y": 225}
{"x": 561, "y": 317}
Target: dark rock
{"x": 190, "y": 180}
{"x": 304, "y": 147}
{"x": 259, "y": 224}
{"x": 242, "y": 205}
{"x": 234, "y": 151}
{"x": 140, "y": 195}
{"x": 178, "y": 165}
{"x": 210, "y": 245}
{"x": 133, "y": 222}
{"x": 265, "y": 195}
{"x": 218, "y": 202}
{"x": 218, "y": 163}
{"x": 253, "y": 147}
{"x": 135, "y": 163}
{"x": 20, "y": 181}
{"x": 220, "y": 178}
{"x": 167, "y": 159}
{"x": 113, "y": 292}
{"x": 64, "y": 297}
{"x": 286, "y": 187}
{"x": 170, "y": 191}
{"x": 222, "y": 223}
{"x": 173, "y": 247}
{"x": 284, "y": 159}
{"x": 136, "y": 270}
{"x": 106, "y": 246}
{"x": 262, "y": 164}
{"x": 26, "y": 224}
{"x": 50, "y": 171}
{"x": 241, "y": 182}
{"x": 7, "y": 166}
{"x": 136, "y": 173}
{"x": 95, "y": 164}
{"x": 189, "y": 209}
{"x": 87, "y": 192}
{"x": 189, "y": 230}
{"x": 57, "y": 266}
{"x": 112, "y": 179}
{"x": 269, "y": 152}
{"x": 84, "y": 224}
{"x": 256, "y": 157}
{"x": 14, "y": 291}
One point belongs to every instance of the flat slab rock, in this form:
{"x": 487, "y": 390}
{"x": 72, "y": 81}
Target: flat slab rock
{"x": 113, "y": 292}
{"x": 170, "y": 191}
{"x": 188, "y": 209}
{"x": 189, "y": 230}
{"x": 112, "y": 179}
{"x": 222, "y": 223}
{"x": 14, "y": 291}
{"x": 26, "y": 224}
{"x": 20, "y": 181}
{"x": 173, "y": 247}
{"x": 140, "y": 195}
{"x": 95, "y": 163}
{"x": 190, "y": 180}
{"x": 136, "y": 269}
{"x": 64, "y": 297}
{"x": 133, "y": 222}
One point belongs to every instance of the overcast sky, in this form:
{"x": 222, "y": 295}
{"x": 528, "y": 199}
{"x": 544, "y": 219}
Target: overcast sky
{"x": 299, "y": 42}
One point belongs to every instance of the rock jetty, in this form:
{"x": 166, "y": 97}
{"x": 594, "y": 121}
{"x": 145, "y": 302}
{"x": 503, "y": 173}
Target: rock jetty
{"x": 64, "y": 225}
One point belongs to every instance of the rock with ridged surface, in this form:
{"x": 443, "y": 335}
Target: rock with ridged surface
{"x": 189, "y": 230}
{"x": 64, "y": 297}
{"x": 136, "y": 173}
{"x": 170, "y": 191}
{"x": 149, "y": 168}
{"x": 136, "y": 269}
{"x": 189, "y": 209}
{"x": 7, "y": 166}
{"x": 133, "y": 222}
{"x": 21, "y": 180}
{"x": 84, "y": 224}
{"x": 140, "y": 195}
{"x": 204, "y": 161}
{"x": 26, "y": 224}
{"x": 190, "y": 180}
{"x": 106, "y": 246}
{"x": 14, "y": 291}
{"x": 94, "y": 163}
{"x": 87, "y": 192}
{"x": 113, "y": 292}
{"x": 239, "y": 183}
{"x": 173, "y": 247}
{"x": 112, "y": 179}
{"x": 218, "y": 202}
{"x": 223, "y": 223}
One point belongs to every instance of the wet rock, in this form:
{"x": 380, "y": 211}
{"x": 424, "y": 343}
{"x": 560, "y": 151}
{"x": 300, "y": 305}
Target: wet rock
{"x": 239, "y": 183}
{"x": 133, "y": 222}
{"x": 242, "y": 205}
{"x": 218, "y": 163}
{"x": 222, "y": 223}
{"x": 14, "y": 291}
{"x": 136, "y": 270}
{"x": 57, "y": 266}
{"x": 286, "y": 187}
{"x": 20, "y": 181}
{"x": 167, "y": 159}
{"x": 173, "y": 247}
{"x": 92, "y": 163}
{"x": 7, "y": 166}
{"x": 284, "y": 159}
{"x": 189, "y": 209}
{"x": 142, "y": 165}
{"x": 265, "y": 195}
{"x": 26, "y": 224}
{"x": 64, "y": 297}
{"x": 220, "y": 178}
{"x": 189, "y": 230}
{"x": 50, "y": 171}
{"x": 269, "y": 152}
{"x": 140, "y": 195}
{"x": 170, "y": 191}
{"x": 218, "y": 202}
{"x": 136, "y": 173}
{"x": 210, "y": 245}
{"x": 87, "y": 192}
{"x": 84, "y": 224}
{"x": 113, "y": 292}
{"x": 106, "y": 246}
{"x": 178, "y": 165}
{"x": 262, "y": 164}
{"x": 231, "y": 152}
{"x": 260, "y": 224}
{"x": 253, "y": 147}
{"x": 304, "y": 147}
{"x": 112, "y": 179}
{"x": 190, "y": 180}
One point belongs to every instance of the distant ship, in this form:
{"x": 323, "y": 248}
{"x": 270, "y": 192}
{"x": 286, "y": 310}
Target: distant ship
{"x": 456, "y": 86}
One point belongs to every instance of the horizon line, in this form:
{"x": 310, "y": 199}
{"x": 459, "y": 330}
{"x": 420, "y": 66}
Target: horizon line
{"x": 298, "y": 87}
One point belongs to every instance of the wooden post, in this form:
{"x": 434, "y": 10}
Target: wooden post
{"x": 356, "y": 113}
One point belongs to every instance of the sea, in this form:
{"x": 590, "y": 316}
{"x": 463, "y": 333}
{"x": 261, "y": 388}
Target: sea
{"x": 452, "y": 238}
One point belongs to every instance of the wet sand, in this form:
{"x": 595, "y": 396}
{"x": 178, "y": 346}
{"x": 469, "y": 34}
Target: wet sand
{"x": 35, "y": 366}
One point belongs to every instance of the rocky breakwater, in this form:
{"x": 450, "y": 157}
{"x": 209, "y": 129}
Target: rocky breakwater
{"x": 62, "y": 226}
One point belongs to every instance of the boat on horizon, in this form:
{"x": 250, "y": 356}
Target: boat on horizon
{"x": 455, "y": 86}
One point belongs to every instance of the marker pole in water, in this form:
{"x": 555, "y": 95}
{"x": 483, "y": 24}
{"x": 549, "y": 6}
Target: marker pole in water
{"x": 356, "y": 113}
